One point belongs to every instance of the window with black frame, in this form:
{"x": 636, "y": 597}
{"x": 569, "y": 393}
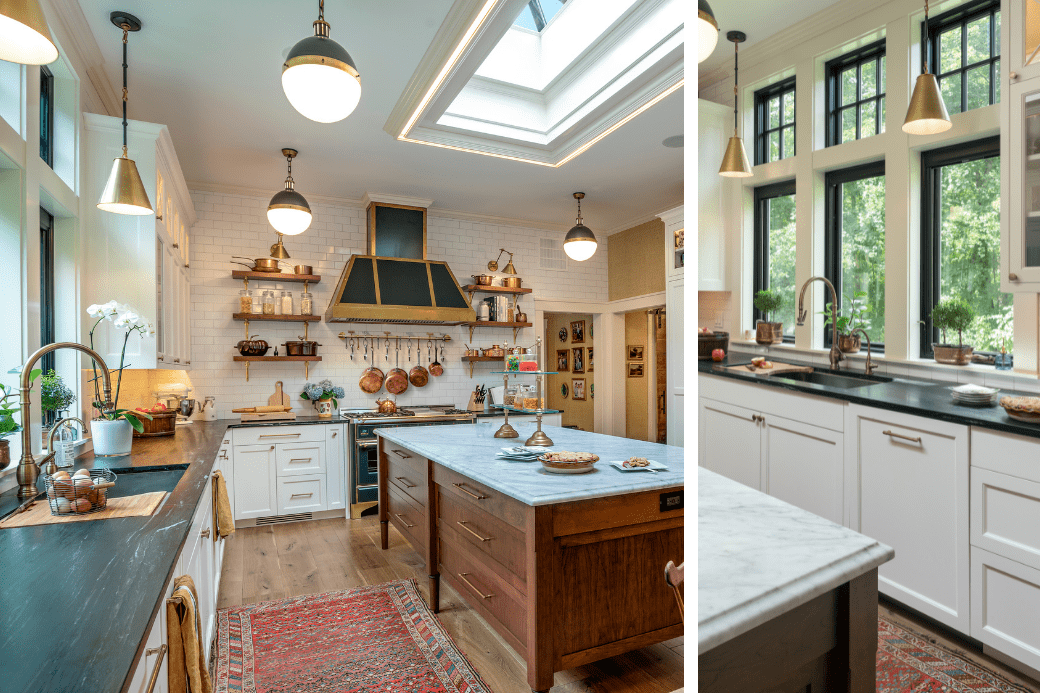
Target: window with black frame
{"x": 855, "y": 93}
{"x": 774, "y": 122}
{"x": 964, "y": 50}
{"x": 774, "y": 259}
{"x": 47, "y": 116}
{"x": 47, "y": 319}
{"x": 855, "y": 248}
{"x": 960, "y": 242}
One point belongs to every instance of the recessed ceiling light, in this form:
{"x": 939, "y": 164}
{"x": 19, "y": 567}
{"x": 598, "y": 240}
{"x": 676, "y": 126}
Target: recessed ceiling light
{"x": 674, "y": 142}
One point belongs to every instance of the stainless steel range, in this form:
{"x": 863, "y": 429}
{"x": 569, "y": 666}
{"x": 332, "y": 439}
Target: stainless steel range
{"x": 362, "y": 444}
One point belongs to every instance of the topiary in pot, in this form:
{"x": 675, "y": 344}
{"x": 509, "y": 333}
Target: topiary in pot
{"x": 769, "y": 301}
{"x": 953, "y": 314}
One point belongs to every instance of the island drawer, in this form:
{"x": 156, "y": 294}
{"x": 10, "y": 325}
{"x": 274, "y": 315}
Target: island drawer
{"x": 279, "y": 434}
{"x": 409, "y": 477}
{"x": 503, "y": 545}
{"x": 495, "y": 503}
{"x": 409, "y": 519}
{"x": 489, "y": 594}
{"x": 404, "y": 457}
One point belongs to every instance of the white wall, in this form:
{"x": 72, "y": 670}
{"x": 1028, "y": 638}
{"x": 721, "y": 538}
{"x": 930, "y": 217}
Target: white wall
{"x": 233, "y": 224}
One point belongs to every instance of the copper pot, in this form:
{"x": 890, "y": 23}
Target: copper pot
{"x": 386, "y": 406}
{"x": 260, "y": 264}
{"x": 495, "y": 351}
{"x": 303, "y": 269}
{"x": 254, "y": 346}
{"x": 483, "y": 279}
{"x": 371, "y": 380}
{"x": 512, "y": 282}
{"x": 301, "y": 348}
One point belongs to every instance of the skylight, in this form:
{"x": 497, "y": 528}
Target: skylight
{"x": 538, "y": 13}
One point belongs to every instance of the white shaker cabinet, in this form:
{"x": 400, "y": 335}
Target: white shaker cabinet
{"x": 1020, "y": 39}
{"x": 730, "y": 442}
{"x": 255, "y": 481}
{"x": 153, "y": 663}
{"x": 714, "y": 122}
{"x": 674, "y": 223}
{"x": 335, "y": 465}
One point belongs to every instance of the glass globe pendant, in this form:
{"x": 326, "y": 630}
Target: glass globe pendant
{"x": 24, "y": 35}
{"x": 707, "y": 31}
{"x": 319, "y": 77}
{"x": 580, "y": 243}
{"x": 289, "y": 212}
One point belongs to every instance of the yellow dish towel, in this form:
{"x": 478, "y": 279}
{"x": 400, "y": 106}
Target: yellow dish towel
{"x": 187, "y": 669}
{"x": 222, "y": 506}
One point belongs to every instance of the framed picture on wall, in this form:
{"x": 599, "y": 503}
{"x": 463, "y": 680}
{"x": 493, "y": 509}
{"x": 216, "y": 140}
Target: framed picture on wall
{"x": 635, "y": 370}
{"x": 563, "y": 334}
{"x": 563, "y": 357}
{"x": 578, "y": 332}
{"x": 579, "y": 360}
{"x": 635, "y": 352}
{"x": 588, "y": 361}
{"x": 578, "y": 388}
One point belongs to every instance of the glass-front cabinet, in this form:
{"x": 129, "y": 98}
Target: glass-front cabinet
{"x": 1023, "y": 27}
{"x": 1020, "y": 254}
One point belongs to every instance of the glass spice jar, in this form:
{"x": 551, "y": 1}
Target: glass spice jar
{"x": 245, "y": 301}
{"x": 268, "y": 303}
{"x": 258, "y": 302}
{"x": 287, "y": 303}
{"x": 306, "y": 303}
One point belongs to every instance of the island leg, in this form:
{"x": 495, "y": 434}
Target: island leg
{"x": 858, "y": 619}
{"x": 384, "y": 534}
{"x": 384, "y": 517}
{"x": 541, "y": 561}
{"x": 435, "y": 593}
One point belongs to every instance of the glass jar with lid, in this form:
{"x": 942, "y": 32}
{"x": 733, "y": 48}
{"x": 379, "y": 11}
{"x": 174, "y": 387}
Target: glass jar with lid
{"x": 306, "y": 303}
{"x": 287, "y": 307}
{"x": 268, "y": 302}
{"x": 245, "y": 301}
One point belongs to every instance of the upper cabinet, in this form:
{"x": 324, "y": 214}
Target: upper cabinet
{"x": 712, "y": 120}
{"x": 1021, "y": 21}
{"x": 141, "y": 261}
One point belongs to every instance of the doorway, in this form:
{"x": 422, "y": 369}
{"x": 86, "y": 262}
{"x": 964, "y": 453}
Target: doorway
{"x": 645, "y": 359}
{"x": 569, "y": 350}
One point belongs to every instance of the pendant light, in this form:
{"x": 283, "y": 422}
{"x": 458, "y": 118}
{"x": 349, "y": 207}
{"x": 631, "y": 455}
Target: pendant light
{"x": 580, "y": 242}
{"x": 735, "y": 163}
{"x": 24, "y": 35}
{"x": 707, "y": 31}
{"x": 319, "y": 77}
{"x": 124, "y": 193}
{"x": 289, "y": 212}
{"x": 927, "y": 114}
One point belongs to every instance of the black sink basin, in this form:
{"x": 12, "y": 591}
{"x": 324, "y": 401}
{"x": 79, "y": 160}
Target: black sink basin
{"x": 845, "y": 380}
{"x": 133, "y": 481}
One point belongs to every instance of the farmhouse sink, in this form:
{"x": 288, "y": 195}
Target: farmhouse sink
{"x": 845, "y": 380}
{"x": 133, "y": 481}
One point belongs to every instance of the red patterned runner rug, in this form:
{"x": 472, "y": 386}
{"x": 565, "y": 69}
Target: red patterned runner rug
{"x": 907, "y": 662}
{"x": 374, "y": 638}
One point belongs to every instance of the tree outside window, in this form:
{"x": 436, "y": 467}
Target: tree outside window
{"x": 775, "y": 249}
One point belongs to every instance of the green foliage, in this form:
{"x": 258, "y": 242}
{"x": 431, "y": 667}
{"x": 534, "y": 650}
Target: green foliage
{"x": 953, "y": 314}
{"x": 9, "y": 407}
{"x": 863, "y": 253}
{"x": 781, "y": 214}
{"x": 855, "y": 315}
{"x": 54, "y": 394}
{"x": 768, "y": 301}
{"x": 134, "y": 416}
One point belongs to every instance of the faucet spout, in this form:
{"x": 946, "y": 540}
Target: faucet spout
{"x": 868, "y": 369}
{"x": 28, "y": 471}
{"x": 836, "y": 354}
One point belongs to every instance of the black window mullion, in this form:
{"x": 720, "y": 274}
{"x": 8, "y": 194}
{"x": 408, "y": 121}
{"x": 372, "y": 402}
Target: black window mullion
{"x": 964, "y": 67}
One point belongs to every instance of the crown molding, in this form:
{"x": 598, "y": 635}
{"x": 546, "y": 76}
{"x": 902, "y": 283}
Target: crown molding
{"x": 643, "y": 218}
{"x": 390, "y": 199}
{"x": 80, "y": 47}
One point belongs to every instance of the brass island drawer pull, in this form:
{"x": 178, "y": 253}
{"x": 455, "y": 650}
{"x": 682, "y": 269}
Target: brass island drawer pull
{"x": 401, "y": 518}
{"x": 301, "y": 495}
{"x": 462, "y": 576}
{"x": 279, "y": 435}
{"x": 401, "y": 454}
{"x": 404, "y": 480}
{"x": 463, "y": 523}
{"x": 161, "y": 650}
{"x": 478, "y": 496}
{"x": 204, "y": 534}
{"x": 902, "y": 437}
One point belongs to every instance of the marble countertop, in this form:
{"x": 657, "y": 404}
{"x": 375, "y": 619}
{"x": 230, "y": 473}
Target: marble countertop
{"x": 759, "y": 557}
{"x": 463, "y": 449}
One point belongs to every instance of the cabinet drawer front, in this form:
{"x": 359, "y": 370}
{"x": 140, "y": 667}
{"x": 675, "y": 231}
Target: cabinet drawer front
{"x": 818, "y": 411}
{"x": 503, "y": 545}
{"x": 1005, "y": 516}
{"x": 496, "y": 503}
{"x": 408, "y": 518}
{"x": 404, "y": 458}
{"x": 300, "y": 458}
{"x": 480, "y": 587}
{"x": 301, "y": 494}
{"x": 279, "y": 434}
{"x": 1005, "y": 599}
{"x": 410, "y": 478}
{"x": 1006, "y": 453}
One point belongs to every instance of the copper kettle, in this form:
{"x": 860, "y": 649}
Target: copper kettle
{"x": 386, "y": 406}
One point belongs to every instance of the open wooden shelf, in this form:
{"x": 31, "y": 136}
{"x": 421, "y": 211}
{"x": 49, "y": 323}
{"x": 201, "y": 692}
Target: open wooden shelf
{"x": 276, "y": 276}
{"x": 471, "y": 359}
{"x": 277, "y": 358}
{"x": 487, "y": 323}
{"x": 472, "y": 288}
{"x": 277, "y": 318}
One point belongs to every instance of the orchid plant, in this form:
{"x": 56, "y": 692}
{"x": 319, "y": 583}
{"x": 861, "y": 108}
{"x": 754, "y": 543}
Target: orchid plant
{"x": 123, "y": 317}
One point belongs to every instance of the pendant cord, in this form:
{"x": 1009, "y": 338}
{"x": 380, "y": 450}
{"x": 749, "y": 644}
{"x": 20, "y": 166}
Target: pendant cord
{"x": 736, "y": 78}
{"x": 321, "y": 10}
{"x": 578, "y": 220}
{"x": 288, "y": 179}
{"x": 927, "y": 39}
{"x": 126, "y": 30}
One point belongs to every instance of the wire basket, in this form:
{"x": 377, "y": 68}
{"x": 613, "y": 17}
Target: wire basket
{"x": 79, "y": 495}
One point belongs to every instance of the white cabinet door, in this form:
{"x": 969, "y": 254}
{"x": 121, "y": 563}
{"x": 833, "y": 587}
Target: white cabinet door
{"x": 301, "y": 494}
{"x": 730, "y": 442}
{"x": 1005, "y": 601}
{"x": 713, "y": 122}
{"x": 1021, "y": 39}
{"x": 1020, "y": 241}
{"x": 255, "y": 481}
{"x": 913, "y": 496}
{"x": 1005, "y": 516}
{"x": 804, "y": 466}
{"x": 149, "y": 666}
{"x": 335, "y": 465}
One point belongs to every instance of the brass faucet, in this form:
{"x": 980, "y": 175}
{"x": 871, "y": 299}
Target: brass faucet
{"x": 836, "y": 354}
{"x": 868, "y": 369}
{"x": 28, "y": 471}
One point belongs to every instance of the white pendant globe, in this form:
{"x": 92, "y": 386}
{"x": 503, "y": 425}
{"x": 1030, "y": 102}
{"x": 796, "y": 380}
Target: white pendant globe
{"x": 291, "y": 222}
{"x": 322, "y": 93}
{"x": 580, "y": 250}
{"x": 707, "y": 31}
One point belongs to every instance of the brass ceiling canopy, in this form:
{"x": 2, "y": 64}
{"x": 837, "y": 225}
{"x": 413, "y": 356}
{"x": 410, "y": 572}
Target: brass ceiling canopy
{"x": 735, "y": 162}
{"x": 926, "y": 114}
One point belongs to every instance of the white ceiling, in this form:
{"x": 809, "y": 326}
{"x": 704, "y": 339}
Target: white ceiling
{"x": 758, "y": 19}
{"x": 211, "y": 71}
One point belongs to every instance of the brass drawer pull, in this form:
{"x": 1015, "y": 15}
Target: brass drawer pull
{"x": 334, "y": 433}
{"x": 404, "y": 480}
{"x": 463, "y": 523}
{"x": 300, "y": 459}
{"x": 204, "y": 534}
{"x": 401, "y": 518}
{"x": 478, "y": 496}
{"x": 279, "y": 435}
{"x": 301, "y": 495}
{"x": 758, "y": 418}
{"x": 223, "y": 454}
{"x": 401, "y": 454}
{"x": 161, "y": 650}
{"x": 902, "y": 437}
{"x": 462, "y": 576}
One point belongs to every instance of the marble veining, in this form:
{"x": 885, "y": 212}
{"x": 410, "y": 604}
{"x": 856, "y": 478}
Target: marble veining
{"x": 463, "y": 449}
{"x": 759, "y": 557}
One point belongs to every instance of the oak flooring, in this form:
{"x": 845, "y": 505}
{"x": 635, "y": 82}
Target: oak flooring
{"x": 279, "y": 561}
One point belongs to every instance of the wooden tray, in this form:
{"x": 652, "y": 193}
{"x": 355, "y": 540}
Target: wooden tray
{"x": 270, "y": 416}
{"x": 128, "y": 506}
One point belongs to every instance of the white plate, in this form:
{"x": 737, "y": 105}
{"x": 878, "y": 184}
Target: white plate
{"x": 526, "y": 450}
{"x": 619, "y": 465}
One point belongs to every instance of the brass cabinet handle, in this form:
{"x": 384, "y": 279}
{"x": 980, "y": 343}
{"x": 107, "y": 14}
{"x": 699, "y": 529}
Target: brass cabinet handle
{"x": 404, "y": 480}
{"x": 463, "y": 523}
{"x": 758, "y": 418}
{"x": 462, "y": 487}
{"x": 223, "y": 454}
{"x": 226, "y": 441}
{"x": 1013, "y": 75}
{"x": 401, "y": 454}
{"x": 161, "y": 650}
{"x": 204, "y": 534}
{"x": 279, "y": 435}
{"x": 462, "y": 576}
{"x": 902, "y": 437}
{"x": 160, "y": 357}
{"x": 300, "y": 459}
{"x": 1013, "y": 277}
{"x": 301, "y": 495}
{"x": 177, "y": 360}
{"x": 334, "y": 433}
{"x": 401, "y": 517}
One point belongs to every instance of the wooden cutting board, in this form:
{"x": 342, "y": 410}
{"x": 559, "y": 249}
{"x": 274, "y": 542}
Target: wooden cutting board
{"x": 279, "y": 398}
{"x": 778, "y": 367}
{"x": 128, "y": 506}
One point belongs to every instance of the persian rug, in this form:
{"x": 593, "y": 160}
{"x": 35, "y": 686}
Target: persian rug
{"x": 908, "y": 662}
{"x": 374, "y": 638}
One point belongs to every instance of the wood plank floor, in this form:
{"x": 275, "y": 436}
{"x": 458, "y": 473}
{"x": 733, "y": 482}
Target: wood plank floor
{"x": 279, "y": 561}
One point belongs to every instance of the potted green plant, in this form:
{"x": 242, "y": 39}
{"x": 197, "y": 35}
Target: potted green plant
{"x": 55, "y": 399}
{"x": 766, "y": 332}
{"x": 953, "y": 314}
{"x": 10, "y": 405}
{"x": 323, "y": 396}
{"x": 853, "y": 319}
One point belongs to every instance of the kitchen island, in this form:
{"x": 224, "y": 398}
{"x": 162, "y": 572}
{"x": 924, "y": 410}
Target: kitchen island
{"x": 568, "y": 569}
{"x": 786, "y": 600}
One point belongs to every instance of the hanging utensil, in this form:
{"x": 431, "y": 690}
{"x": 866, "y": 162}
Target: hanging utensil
{"x": 365, "y": 358}
{"x": 388, "y": 349}
{"x": 396, "y": 380}
{"x": 418, "y": 376}
{"x": 436, "y": 368}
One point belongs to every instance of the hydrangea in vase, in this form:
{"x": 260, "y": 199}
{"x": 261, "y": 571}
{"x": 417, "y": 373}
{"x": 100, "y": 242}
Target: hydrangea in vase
{"x": 324, "y": 396}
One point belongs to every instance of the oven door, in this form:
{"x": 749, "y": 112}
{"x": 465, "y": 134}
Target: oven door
{"x": 366, "y": 471}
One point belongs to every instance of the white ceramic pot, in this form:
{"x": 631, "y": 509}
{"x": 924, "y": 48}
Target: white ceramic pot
{"x": 324, "y": 407}
{"x": 111, "y": 438}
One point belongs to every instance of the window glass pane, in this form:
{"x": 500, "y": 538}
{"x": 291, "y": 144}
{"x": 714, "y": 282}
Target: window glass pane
{"x": 868, "y": 119}
{"x": 950, "y": 50}
{"x": 781, "y": 231}
{"x": 996, "y": 33}
{"x": 788, "y": 141}
{"x": 773, "y": 111}
{"x": 978, "y": 86}
{"x": 863, "y": 251}
{"x": 788, "y": 107}
{"x": 848, "y": 124}
{"x": 996, "y": 81}
{"x": 848, "y": 85}
{"x": 881, "y": 72}
{"x": 969, "y": 240}
{"x": 881, "y": 116}
{"x": 978, "y": 40}
{"x": 868, "y": 79}
{"x": 773, "y": 149}
{"x": 951, "y": 92}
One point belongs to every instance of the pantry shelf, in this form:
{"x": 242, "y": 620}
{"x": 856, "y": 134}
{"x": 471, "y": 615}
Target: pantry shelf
{"x": 276, "y": 277}
{"x": 261, "y": 359}
{"x": 276, "y": 318}
{"x": 517, "y": 326}
{"x": 476, "y": 359}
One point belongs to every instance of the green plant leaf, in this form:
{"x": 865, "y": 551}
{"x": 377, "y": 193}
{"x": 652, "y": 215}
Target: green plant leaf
{"x": 134, "y": 421}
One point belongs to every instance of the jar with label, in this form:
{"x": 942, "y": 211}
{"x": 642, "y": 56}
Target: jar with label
{"x": 65, "y": 444}
{"x": 245, "y": 301}
{"x": 268, "y": 303}
{"x": 287, "y": 303}
{"x": 306, "y": 303}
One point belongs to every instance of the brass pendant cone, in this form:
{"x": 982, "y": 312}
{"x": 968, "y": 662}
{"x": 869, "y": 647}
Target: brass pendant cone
{"x": 927, "y": 114}
{"x": 30, "y": 42}
{"x": 735, "y": 163}
{"x": 124, "y": 193}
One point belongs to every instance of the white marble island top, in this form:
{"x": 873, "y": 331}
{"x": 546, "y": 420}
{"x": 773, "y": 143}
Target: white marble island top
{"x": 464, "y": 450}
{"x": 759, "y": 557}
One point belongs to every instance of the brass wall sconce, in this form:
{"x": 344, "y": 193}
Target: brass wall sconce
{"x": 509, "y": 269}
